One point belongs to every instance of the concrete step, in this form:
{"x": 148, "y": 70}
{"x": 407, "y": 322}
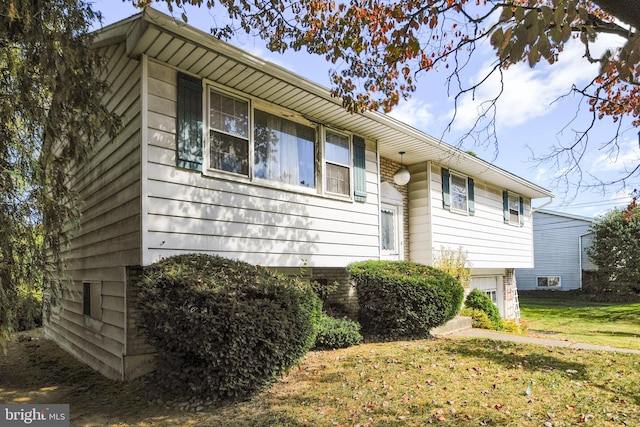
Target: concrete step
{"x": 456, "y": 324}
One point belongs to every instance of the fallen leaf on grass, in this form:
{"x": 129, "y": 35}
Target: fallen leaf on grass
{"x": 585, "y": 418}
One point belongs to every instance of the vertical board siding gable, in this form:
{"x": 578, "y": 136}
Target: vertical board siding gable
{"x": 359, "y": 170}
{"x": 189, "y": 122}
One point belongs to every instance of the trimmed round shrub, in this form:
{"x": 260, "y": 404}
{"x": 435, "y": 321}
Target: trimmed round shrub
{"x": 481, "y": 301}
{"x": 403, "y": 299}
{"x": 337, "y": 333}
{"x": 479, "y": 319}
{"x": 224, "y": 328}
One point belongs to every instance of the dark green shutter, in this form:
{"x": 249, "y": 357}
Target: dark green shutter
{"x": 359, "y": 170}
{"x": 472, "y": 203}
{"x": 446, "y": 192}
{"x": 505, "y": 206}
{"x": 521, "y": 211}
{"x": 189, "y": 122}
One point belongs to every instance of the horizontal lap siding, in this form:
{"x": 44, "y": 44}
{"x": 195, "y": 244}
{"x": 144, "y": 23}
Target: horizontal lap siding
{"x": 189, "y": 212}
{"x": 109, "y": 237}
{"x": 488, "y": 241}
{"x": 557, "y": 251}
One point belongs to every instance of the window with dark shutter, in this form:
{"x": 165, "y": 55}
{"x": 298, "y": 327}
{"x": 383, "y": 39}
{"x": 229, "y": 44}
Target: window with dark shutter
{"x": 189, "y": 122}
{"x": 513, "y": 208}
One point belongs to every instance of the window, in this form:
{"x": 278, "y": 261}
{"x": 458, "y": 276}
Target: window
{"x": 493, "y": 295}
{"x": 228, "y": 133}
{"x": 513, "y": 206}
{"x": 284, "y": 150}
{"x": 389, "y": 230}
{"x": 338, "y": 159}
{"x": 92, "y": 299}
{"x": 457, "y": 192}
{"x": 253, "y": 143}
{"x": 549, "y": 282}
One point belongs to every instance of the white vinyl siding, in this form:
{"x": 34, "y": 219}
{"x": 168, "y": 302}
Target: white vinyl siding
{"x": 109, "y": 238}
{"x": 251, "y": 221}
{"x": 488, "y": 242}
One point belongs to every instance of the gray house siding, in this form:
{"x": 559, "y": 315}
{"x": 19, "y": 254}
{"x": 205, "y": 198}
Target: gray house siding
{"x": 559, "y": 242}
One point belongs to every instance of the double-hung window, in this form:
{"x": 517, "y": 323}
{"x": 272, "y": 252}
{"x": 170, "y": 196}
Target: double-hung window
{"x": 228, "y": 133}
{"x": 513, "y": 208}
{"x": 457, "y": 192}
{"x": 337, "y": 161}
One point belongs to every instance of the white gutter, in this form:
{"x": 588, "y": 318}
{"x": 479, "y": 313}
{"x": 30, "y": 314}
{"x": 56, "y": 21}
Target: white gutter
{"x": 536, "y": 209}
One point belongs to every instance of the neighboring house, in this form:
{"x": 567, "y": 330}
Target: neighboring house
{"x": 224, "y": 153}
{"x": 560, "y": 241}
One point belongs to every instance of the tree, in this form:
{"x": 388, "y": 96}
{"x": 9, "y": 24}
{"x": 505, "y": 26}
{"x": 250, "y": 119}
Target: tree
{"x": 380, "y": 47}
{"x": 50, "y": 110}
{"x": 616, "y": 250}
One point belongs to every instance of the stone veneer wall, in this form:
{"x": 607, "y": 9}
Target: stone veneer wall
{"x": 511, "y": 301}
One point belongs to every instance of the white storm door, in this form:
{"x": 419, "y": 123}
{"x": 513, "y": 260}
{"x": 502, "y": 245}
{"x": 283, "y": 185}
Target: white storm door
{"x": 390, "y": 232}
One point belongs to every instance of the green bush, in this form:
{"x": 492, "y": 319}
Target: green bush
{"x": 403, "y": 299}
{"x": 481, "y": 301}
{"x": 28, "y": 310}
{"x": 224, "y": 328}
{"x": 514, "y": 326}
{"x": 479, "y": 319}
{"x": 337, "y": 333}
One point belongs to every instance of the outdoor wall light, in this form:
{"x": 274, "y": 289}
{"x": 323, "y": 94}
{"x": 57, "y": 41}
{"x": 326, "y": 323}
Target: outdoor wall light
{"x": 402, "y": 175}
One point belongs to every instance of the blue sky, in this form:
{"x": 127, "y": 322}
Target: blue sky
{"x": 530, "y": 117}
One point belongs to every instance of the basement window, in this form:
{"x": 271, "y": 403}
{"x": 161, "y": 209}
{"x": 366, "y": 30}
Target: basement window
{"x": 549, "y": 281}
{"x": 92, "y": 300}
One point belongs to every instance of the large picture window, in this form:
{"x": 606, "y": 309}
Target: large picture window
{"x": 284, "y": 150}
{"x": 338, "y": 159}
{"x": 248, "y": 138}
{"x": 228, "y": 133}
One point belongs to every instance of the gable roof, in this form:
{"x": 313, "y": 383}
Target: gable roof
{"x": 173, "y": 42}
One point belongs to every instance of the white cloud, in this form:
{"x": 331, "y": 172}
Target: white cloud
{"x": 623, "y": 157}
{"x": 528, "y": 93}
{"x": 414, "y": 112}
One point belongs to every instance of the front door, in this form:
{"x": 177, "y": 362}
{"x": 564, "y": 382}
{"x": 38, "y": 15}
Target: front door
{"x": 391, "y": 242}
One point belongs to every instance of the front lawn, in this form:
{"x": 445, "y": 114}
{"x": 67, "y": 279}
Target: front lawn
{"x": 445, "y": 382}
{"x": 576, "y": 319}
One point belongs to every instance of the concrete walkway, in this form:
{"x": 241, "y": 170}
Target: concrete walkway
{"x": 502, "y": 336}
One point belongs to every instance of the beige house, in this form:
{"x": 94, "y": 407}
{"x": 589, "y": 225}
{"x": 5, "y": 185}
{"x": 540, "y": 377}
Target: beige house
{"x": 224, "y": 153}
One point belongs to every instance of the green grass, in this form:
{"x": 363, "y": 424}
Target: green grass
{"x": 574, "y": 319}
{"x": 447, "y": 382}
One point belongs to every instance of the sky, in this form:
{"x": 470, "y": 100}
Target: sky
{"x": 535, "y": 113}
